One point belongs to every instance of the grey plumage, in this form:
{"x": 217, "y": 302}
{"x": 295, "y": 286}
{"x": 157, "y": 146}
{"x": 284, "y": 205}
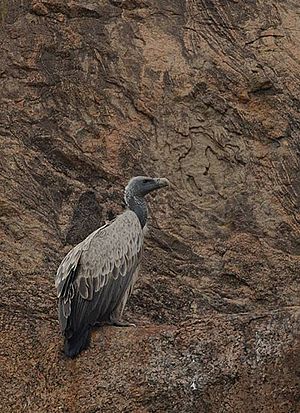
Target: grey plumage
{"x": 96, "y": 277}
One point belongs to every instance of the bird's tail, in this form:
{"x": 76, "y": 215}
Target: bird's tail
{"x": 76, "y": 342}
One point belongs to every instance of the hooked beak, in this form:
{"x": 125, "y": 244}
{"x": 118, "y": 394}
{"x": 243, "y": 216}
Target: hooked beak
{"x": 161, "y": 182}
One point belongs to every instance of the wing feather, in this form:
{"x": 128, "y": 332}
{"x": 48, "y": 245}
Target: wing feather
{"x": 94, "y": 276}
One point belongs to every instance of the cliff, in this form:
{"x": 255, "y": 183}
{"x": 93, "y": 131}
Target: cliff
{"x": 205, "y": 93}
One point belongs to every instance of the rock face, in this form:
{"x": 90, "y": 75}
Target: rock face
{"x": 205, "y": 93}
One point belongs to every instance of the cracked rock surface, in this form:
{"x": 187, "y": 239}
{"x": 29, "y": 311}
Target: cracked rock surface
{"x": 205, "y": 93}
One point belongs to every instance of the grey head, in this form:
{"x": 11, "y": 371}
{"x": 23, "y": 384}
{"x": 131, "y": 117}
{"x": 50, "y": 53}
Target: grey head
{"x": 135, "y": 191}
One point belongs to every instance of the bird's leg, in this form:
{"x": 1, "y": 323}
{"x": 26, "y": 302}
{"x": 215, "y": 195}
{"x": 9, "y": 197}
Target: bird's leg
{"x": 119, "y": 323}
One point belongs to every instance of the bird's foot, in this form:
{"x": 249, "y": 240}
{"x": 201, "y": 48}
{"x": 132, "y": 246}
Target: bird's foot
{"x": 120, "y": 323}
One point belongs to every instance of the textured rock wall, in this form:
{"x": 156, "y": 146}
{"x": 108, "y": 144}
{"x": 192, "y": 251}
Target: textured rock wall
{"x": 205, "y": 93}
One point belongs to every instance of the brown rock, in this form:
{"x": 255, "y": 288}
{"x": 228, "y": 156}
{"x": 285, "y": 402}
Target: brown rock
{"x": 39, "y": 8}
{"x": 206, "y": 94}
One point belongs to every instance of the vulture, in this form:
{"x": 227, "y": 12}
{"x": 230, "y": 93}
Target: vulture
{"x": 96, "y": 278}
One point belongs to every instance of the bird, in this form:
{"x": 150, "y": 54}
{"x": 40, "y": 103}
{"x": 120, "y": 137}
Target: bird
{"x": 96, "y": 277}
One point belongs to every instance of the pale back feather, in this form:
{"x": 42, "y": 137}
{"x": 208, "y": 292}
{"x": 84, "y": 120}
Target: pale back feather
{"x": 96, "y": 276}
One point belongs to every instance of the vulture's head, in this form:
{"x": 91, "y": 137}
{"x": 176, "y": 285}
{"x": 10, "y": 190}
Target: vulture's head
{"x": 139, "y": 186}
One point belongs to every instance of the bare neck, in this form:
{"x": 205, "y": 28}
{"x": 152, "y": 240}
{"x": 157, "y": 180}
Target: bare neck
{"x": 139, "y": 206}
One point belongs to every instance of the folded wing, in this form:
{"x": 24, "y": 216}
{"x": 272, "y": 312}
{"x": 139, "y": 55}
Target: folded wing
{"x": 95, "y": 275}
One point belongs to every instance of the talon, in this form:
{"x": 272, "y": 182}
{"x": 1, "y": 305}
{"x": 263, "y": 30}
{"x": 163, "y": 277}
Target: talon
{"x": 120, "y": 323}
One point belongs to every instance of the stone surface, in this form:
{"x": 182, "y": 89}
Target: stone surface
{"x": 207, "y": 94}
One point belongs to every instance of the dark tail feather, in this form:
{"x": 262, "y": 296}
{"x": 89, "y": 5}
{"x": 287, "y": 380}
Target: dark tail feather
{"x": 77, "y": 342}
